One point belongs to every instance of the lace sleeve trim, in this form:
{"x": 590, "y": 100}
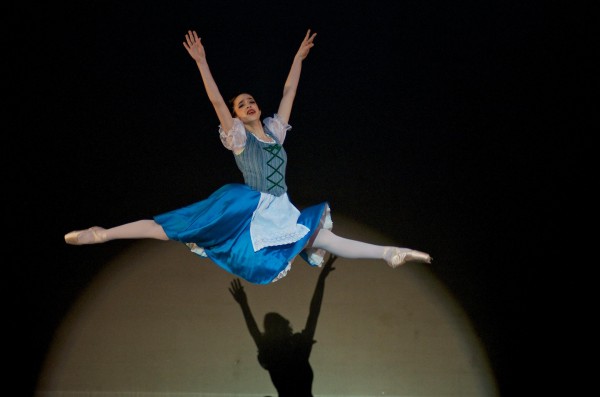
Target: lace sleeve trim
{"x": 235, "y": 138}
{"x": 277, "y": 127}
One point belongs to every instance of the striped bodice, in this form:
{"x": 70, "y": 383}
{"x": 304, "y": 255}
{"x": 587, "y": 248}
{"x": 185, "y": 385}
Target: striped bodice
{"x": 263, "y": 165}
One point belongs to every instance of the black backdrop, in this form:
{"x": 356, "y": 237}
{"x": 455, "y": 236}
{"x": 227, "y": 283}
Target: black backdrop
{"x": 425, "y": 120}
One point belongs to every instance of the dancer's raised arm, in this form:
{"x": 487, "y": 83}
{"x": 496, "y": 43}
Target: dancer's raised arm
{"x": 194, "y": 47}
{"x": 291, "y": 84}
{"x": 252, "y": 230}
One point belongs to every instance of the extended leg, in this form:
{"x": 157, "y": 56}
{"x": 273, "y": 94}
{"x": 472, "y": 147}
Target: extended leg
{"x": 146, "y": 228}
{"x": 353, "y": 249}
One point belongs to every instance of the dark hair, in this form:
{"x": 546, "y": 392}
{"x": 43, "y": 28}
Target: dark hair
{"x": 232, "y": 100}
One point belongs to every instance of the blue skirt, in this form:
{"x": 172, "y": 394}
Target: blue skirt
{"x": 220, "y": 225}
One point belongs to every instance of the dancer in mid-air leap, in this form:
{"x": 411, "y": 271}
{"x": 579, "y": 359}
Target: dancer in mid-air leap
{"x": 252, "y": 230}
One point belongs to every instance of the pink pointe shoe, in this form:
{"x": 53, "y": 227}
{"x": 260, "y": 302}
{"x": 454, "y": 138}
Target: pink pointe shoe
{"x": 395, "y": 256}
{"x": 87, "y": 236}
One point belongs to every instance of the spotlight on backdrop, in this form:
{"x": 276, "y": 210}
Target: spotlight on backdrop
{"x": 160, "y": 321}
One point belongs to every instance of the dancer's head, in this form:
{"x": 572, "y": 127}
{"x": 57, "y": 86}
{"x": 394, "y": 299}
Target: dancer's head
{"x": 244, "y": 107}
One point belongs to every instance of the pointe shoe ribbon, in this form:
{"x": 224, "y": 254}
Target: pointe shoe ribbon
{"x": 73, "y": 237}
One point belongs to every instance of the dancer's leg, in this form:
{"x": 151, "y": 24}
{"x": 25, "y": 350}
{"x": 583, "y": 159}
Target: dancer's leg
{"x": 353, "y": 249}
{"x": 146, "y": 228}
{"x": 346, "y": 248}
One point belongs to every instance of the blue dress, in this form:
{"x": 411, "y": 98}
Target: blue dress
{"x": 251, "y": 230}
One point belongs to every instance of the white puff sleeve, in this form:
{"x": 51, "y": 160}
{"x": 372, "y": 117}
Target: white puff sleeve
{"x": 277, "y": 127}
{"x": 235, "y": 138}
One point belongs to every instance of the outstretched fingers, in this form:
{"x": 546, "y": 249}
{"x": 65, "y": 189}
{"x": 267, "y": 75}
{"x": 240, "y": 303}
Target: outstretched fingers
{"x": 308, "y": 39}
{"x": 191, "y": 38}
{"x": 307, "y": 44}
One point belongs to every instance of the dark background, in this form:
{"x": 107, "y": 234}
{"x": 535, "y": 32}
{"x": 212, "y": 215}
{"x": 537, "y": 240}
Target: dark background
{"x": 428, "y": 121}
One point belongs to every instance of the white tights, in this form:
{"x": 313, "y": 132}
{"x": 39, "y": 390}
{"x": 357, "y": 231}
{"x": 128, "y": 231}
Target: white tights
{"x": 346, "y": 248}
{"x": 145, "y": 228}
{"x": 342, "y": 247}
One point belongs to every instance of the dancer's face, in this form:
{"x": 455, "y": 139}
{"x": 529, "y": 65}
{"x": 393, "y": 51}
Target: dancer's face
{"x": 245, "y": 108}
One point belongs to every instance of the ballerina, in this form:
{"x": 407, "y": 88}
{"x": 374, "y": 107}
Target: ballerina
{"x": 251, "y": 230}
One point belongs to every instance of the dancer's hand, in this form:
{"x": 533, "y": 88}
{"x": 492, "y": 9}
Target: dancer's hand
{"x": 237, "y": 291}
{"x": 306, "y": 45}
{"x": 194, "y": 46}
